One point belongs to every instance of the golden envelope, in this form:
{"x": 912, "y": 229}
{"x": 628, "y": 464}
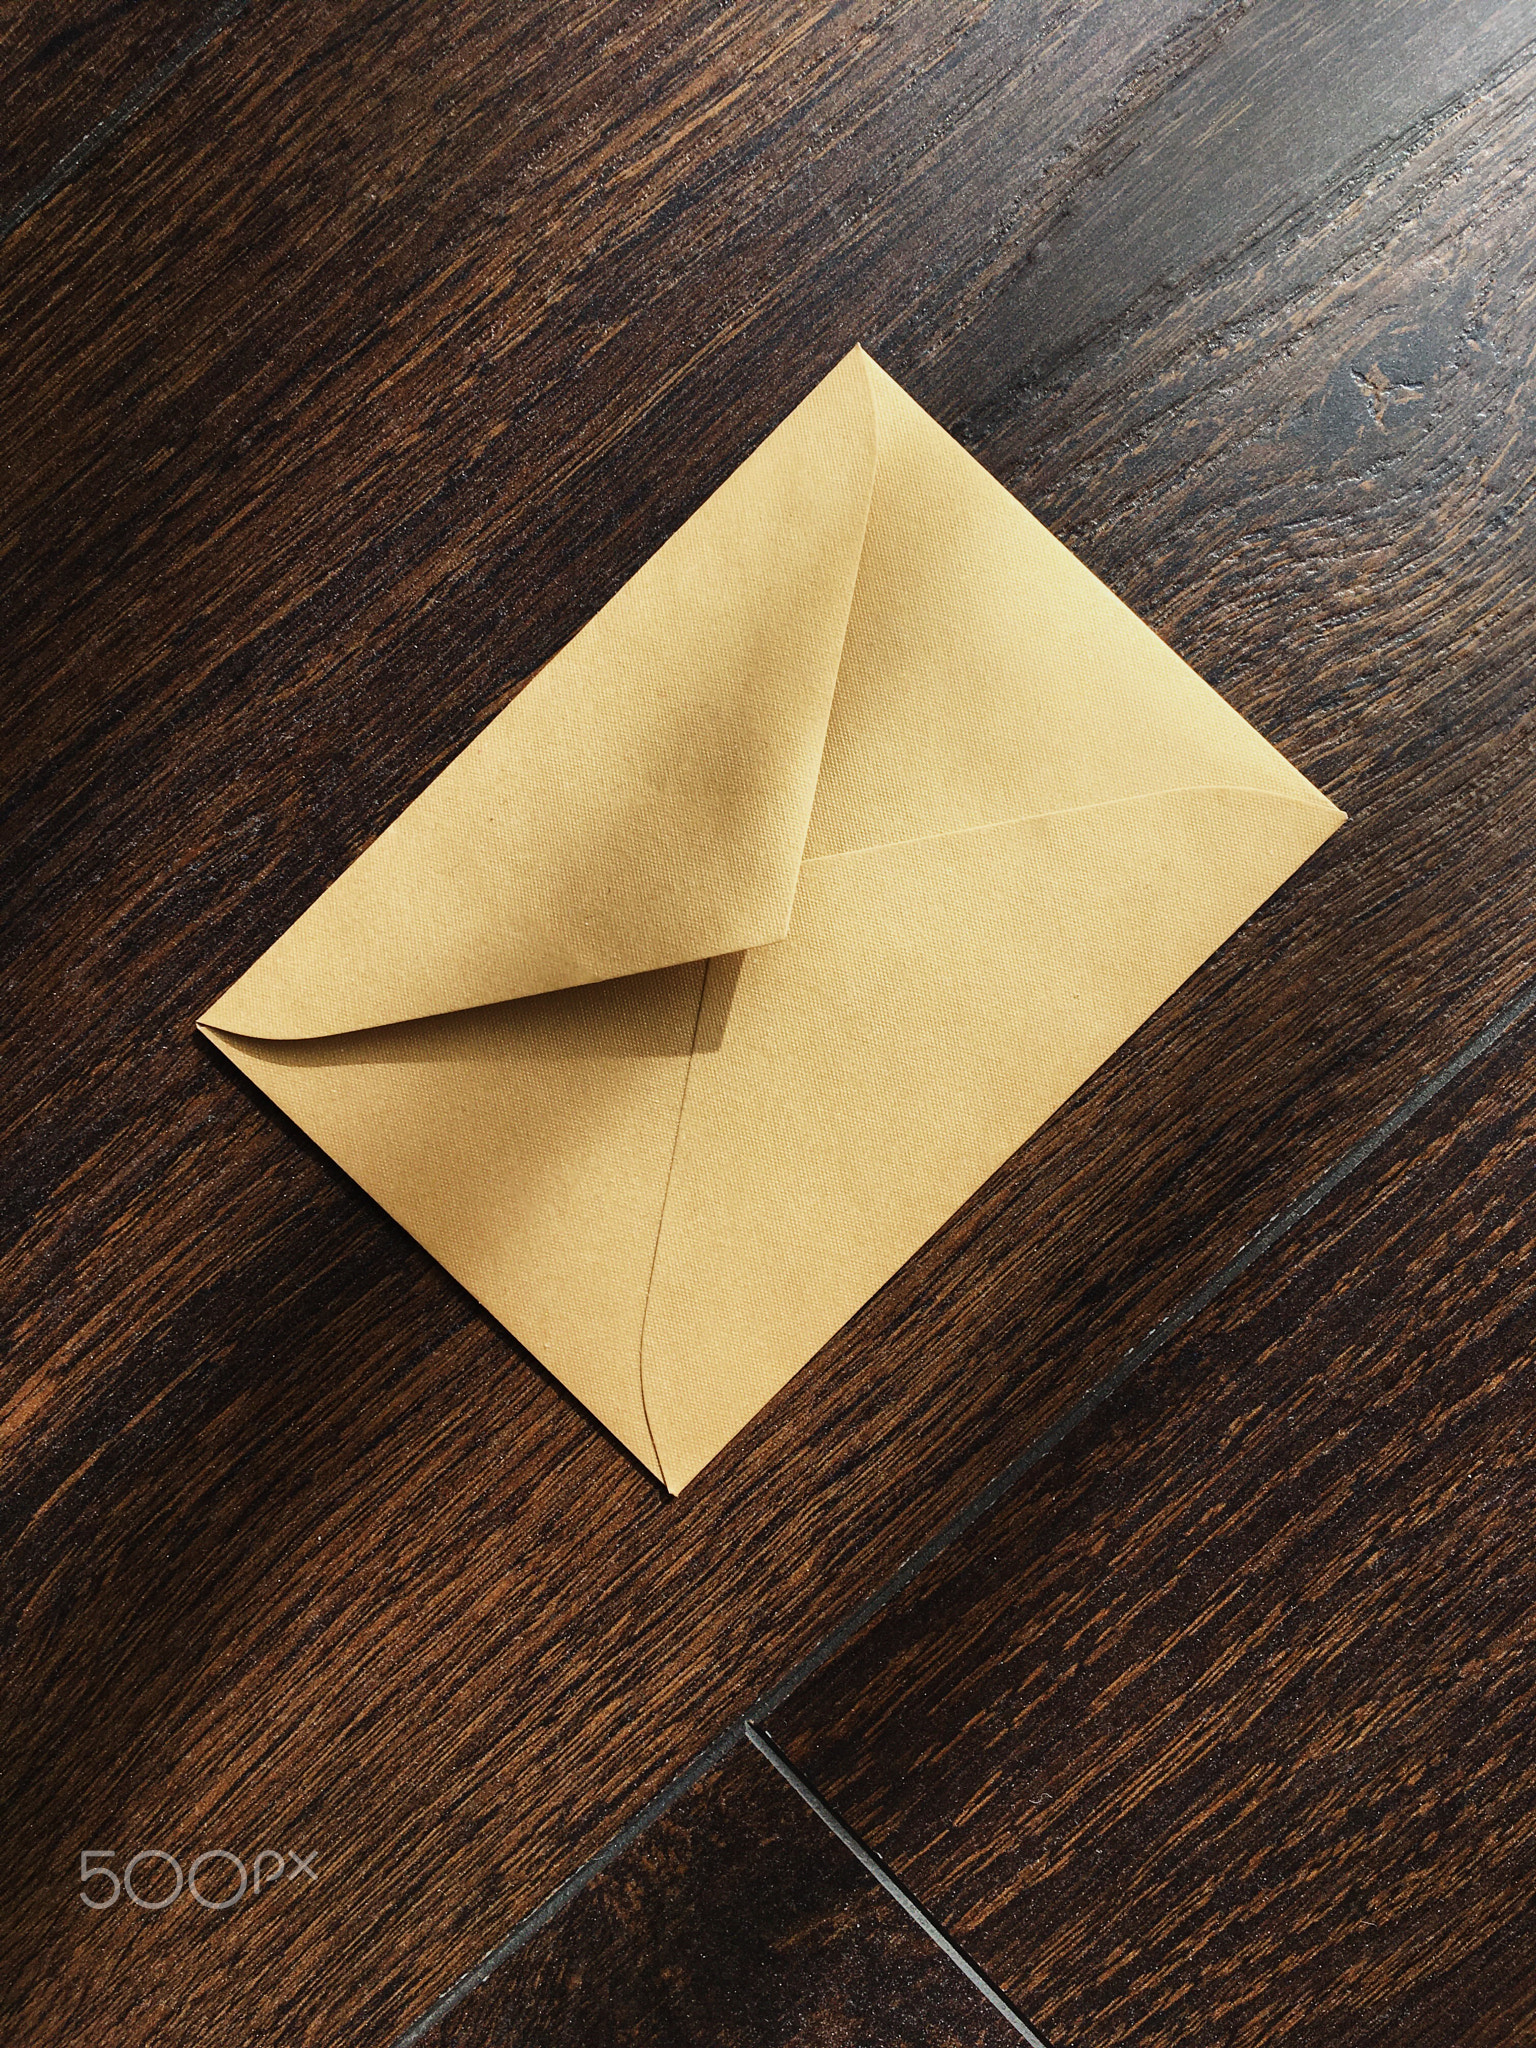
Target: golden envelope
{"x": 823, "y": 865}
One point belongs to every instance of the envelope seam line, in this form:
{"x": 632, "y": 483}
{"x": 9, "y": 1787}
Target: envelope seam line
{"x": 1108, "y": 803}
{"x": 842, "y": 645}
{"x": 666, "y": 1189}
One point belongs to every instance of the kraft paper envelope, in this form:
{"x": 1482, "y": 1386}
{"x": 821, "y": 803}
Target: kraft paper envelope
{"x": 783, "y": 905}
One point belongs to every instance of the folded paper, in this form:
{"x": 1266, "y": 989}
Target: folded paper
{"x": 785, "y": 902}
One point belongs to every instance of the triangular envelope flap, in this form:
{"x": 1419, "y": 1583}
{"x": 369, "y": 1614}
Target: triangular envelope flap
{"x": 988, "y": 674}
{"x": 644, "y": 801}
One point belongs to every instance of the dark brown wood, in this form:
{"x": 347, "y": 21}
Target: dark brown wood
{"x": 739, "y": 1920}
{"x": 1217, "y": 1731}
{"x": 367, "y": 366}
{"x": 64, "y": 69}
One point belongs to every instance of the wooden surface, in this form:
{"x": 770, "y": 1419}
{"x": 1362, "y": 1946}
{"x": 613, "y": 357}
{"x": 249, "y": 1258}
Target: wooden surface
{"x": 1217, "y": 1732}
{"x": 362, "y": 368}
{"x": 738, "y": 1920}
{"x": 66, "y": 69}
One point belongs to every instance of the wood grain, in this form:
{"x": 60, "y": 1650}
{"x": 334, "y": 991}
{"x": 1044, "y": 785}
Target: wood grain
{"x": 1216, "y": 1731}
{"x": 737, "y": 1920}
{"x": 377, "y": 355}
{"x": 64, "y": 69}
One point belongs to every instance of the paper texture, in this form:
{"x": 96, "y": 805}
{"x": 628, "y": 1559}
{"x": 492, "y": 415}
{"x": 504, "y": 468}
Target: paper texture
{"x": 783, "y": 905}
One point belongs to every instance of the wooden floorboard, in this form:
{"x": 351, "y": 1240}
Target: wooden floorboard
{"x": 1215, "y": 1732}
{"x": 363, "y": 367}
{"x": 64, "y": 70}
{"x": 740, "y": 1920}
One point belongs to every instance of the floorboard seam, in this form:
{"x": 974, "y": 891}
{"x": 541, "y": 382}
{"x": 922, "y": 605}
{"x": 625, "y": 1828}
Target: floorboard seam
{"x": 764, "y": 1744}
{"x": 748, "y": 1726}
{"x": 110, "y": 126}
{"x": 579, "y": 1879}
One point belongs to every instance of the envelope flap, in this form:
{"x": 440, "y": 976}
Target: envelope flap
{"x": 644, "y": 801}
{"x": 988, "y": 674}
